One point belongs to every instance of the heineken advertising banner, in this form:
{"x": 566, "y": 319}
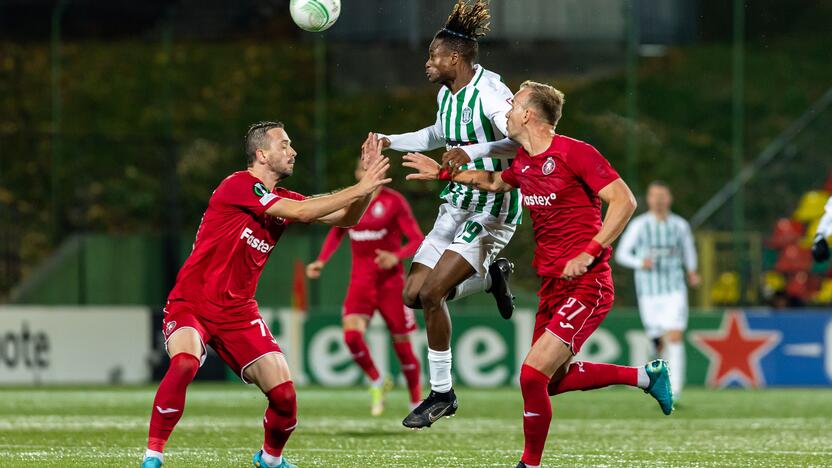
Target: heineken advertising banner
{"x": 735, "y": 348}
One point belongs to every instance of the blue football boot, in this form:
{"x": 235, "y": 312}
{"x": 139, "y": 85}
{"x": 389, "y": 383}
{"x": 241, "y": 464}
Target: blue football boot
{"x": 259, "y": 463}
{"x": 659, "y": 387}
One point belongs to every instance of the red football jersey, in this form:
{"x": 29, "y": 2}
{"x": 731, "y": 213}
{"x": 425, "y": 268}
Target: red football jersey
{"x": 387, "y": 219}
{"x": 233, "y": 242}
{"x": 560, "y": 188}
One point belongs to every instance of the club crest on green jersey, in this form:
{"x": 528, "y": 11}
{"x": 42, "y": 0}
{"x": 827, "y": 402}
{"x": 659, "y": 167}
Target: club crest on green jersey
{"x": 467, "y": 115}
{"x": 548, "y": 166}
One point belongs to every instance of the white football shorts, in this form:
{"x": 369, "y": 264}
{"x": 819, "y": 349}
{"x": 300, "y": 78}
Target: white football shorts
{"x": 478, "y": 237}
{"x": 661, "y": 313}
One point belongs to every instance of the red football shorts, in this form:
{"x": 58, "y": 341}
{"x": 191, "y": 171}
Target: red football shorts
{"x": 380, "y": 290}
{"x": 572, "y": 310}
{"x": 238, "y": 342}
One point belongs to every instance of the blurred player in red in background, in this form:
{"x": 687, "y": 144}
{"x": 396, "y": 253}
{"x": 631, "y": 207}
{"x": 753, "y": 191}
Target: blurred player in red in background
{"x": 213, "y": 302}
{"x": 376, "y": 283}
{"x": 563, "y": 181}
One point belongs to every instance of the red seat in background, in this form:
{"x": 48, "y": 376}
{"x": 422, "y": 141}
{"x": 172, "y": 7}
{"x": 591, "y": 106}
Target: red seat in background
{"x": 794, "y": 259}
{"x": 803, "y": 286}
{"x": 786, "y": 232}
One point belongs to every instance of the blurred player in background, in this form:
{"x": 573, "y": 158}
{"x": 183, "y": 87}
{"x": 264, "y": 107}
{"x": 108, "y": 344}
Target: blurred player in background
{"x": 659, "y": 246}
{"x": 213, "y": 302}
{"x": 457, "y": 258}
{"x": 376, "y": 283}
{"x": 563, "y": 182}
{"x": 820, "y": 245}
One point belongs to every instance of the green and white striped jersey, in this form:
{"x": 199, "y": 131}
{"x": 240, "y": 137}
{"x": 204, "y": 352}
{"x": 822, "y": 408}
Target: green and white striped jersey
{"x": 667, "y": 243}
{"x": 474, "y": 114}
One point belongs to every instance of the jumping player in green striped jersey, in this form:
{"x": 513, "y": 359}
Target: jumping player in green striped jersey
{"x": 458, "y": 256}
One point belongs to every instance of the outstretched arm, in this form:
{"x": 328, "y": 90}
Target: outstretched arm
{"x": 344, "y": 207}
{"x": 351, "y": 214}
{"x": 500, "y": 149}
{"x": 504, "y": 149}
{"x": 428, "y": 169}
{"x": 425, "y": 139}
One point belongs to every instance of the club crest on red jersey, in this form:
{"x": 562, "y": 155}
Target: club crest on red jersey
{"x": 169, "y": 327}
{"x": 378, "y": 210}
{"x": 548, "y": 166}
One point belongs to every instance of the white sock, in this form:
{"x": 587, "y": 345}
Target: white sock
{"x": 271, "y": 460}
{"x": 643, "y": 379}
{"x": 532, "y": 466}
{"x": 439, "y": 365}
{"x": 154, "y": 454}
{"x": 675, "y": 353}
{"x": 470, "y": 286}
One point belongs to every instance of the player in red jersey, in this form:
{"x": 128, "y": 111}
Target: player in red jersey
{"x": 563, "y": 181}
{"x": 376, "y": 283}
{"x": 212, "y": 302}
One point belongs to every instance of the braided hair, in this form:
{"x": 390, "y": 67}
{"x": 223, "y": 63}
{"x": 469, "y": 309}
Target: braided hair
{"x": 467, "y": 23}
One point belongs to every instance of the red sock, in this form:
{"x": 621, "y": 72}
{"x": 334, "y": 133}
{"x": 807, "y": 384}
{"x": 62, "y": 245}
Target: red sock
{"x": 592, "y": 375}
{"x": 170, "y": 399}
{"x": 537, "y": 413}
{"x": 410, "y": 368}
{"x": 281, "y": 417}
{"x": 360, "y": 352}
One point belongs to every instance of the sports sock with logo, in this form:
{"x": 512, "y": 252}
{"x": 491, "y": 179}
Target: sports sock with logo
{"x": 410, "y": 368}
{"x": 537, "y": 413}
{"x": 170, "y": 399}
{"x": 280, "y": 419}
{"x": 361, "y": 353}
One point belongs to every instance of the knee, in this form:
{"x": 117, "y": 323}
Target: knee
{"x": 411, "y": 298}
{"x": 353, "y": 338}
{"x": 283, "y": 400}
{"x": 431, "y": 297}
{"x": 184, "y": 364}
{"x": 531, "y": 377}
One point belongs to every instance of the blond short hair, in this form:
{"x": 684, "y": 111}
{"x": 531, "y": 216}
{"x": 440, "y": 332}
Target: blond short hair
{"x": 546, "y": 100}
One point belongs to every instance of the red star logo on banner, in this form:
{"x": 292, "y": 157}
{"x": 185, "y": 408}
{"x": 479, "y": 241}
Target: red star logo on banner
{"x": 735, "y": 351}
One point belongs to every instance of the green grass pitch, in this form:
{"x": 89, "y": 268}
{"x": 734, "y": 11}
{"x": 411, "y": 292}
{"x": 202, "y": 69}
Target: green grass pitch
{"x": 106, "y": 427}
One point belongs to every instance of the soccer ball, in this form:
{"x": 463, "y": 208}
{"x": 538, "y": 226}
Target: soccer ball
{"x": 315, "y": 15}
